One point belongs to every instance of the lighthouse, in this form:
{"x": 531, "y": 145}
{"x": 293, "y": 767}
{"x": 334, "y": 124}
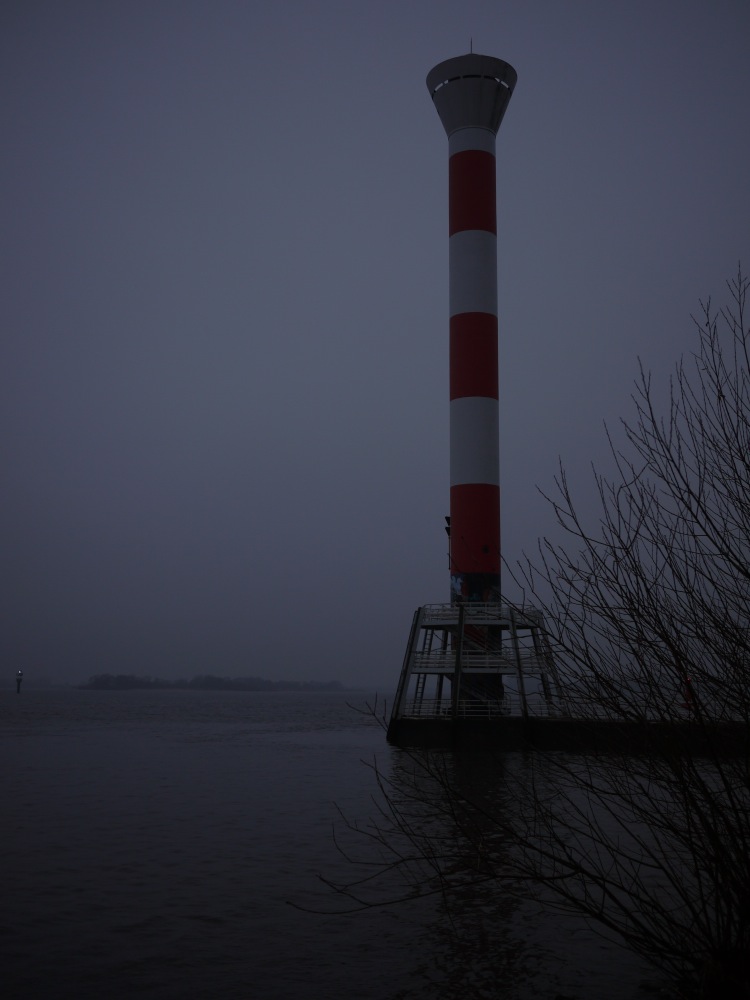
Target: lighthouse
{"x": 475, "y": 668}
{"x": 471, "y": 94}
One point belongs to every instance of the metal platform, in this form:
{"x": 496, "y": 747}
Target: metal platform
{"x": 483, "y": 676}
{"x": 477, "y": 661}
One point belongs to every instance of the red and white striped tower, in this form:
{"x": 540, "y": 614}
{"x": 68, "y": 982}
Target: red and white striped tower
{"x": 471, "y": 93}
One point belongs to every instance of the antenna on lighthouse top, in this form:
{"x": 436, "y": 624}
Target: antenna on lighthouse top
{"x": 471, "y": 45}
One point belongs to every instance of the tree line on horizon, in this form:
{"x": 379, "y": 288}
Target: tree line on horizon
{"x": 205, "y": 682}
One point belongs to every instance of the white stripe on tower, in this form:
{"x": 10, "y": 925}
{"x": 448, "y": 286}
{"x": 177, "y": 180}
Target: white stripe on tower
{"x": 471, "y": 94}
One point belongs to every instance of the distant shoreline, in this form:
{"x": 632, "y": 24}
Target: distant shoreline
{"x": 129, "y": 682}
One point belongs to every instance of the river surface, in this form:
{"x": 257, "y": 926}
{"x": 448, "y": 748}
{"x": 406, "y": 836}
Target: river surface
{"x": 169, "y": 844}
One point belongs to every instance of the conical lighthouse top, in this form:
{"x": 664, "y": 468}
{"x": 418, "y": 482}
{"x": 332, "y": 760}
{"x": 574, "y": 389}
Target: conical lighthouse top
{"x": 471, "y": 91}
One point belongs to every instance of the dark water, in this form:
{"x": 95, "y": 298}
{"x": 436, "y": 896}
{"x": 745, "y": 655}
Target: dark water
{"x": 153, "y": 841}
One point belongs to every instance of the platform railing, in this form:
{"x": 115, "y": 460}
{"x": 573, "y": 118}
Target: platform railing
{"x": 433, "y": 708}
{"x": 509, "y": 705}
{"x": 525, "y": 616}
{"x": 500, "y": 662}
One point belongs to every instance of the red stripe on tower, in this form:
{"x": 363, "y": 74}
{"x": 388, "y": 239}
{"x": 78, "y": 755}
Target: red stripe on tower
{"x": 471, "y": 191}
{"x": 471, "y": 94}
{"x": 473, "y": 355}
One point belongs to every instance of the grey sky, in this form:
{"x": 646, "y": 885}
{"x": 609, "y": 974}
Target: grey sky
{"x": 225, "y": 339}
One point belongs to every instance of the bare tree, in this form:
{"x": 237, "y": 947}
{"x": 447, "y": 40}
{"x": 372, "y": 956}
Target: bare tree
{"x": 649, "y": 612}
{"x": 652, "y": 608}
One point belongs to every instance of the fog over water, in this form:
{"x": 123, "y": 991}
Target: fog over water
{"x": 225, "y": 320}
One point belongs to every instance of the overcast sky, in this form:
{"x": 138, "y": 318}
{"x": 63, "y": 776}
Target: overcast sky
{"x": 225, "y": 304}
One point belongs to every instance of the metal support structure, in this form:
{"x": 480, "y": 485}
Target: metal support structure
{"x": 519, "y": 665}
{"x": 406, "y": 668}
{"x": 485, "y": 660}
{"x": 456, "y": 682}
{"x": 554, "y": 690}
